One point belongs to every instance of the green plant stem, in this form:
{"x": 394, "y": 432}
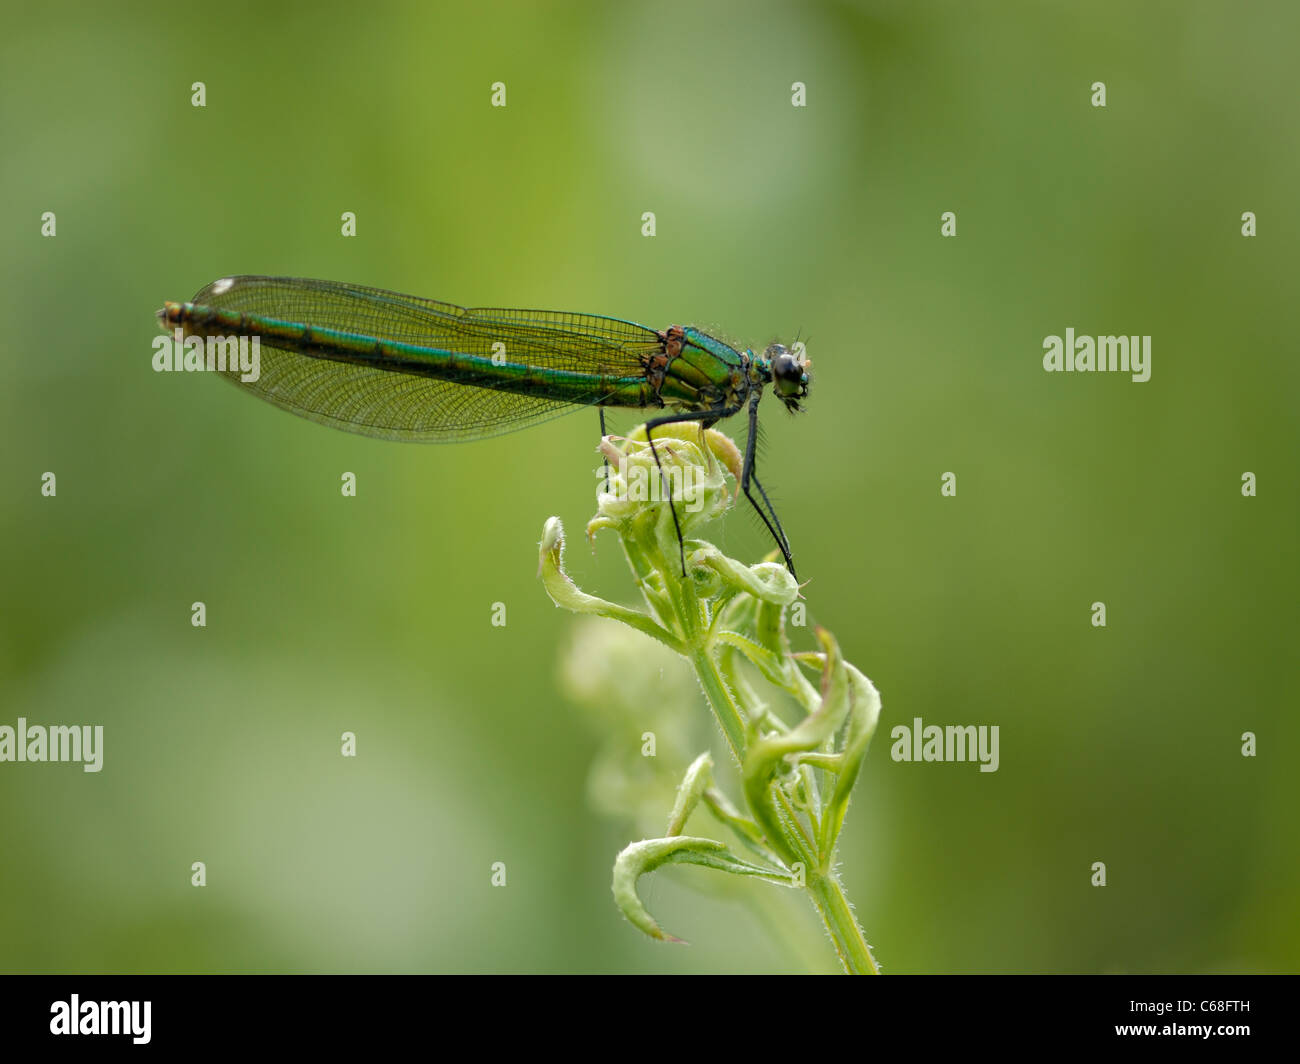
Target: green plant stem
{"x": 720, "y": 701}
{"x": 826, "y": 892}
{"x": 850, "y": 943}
{"x": 728, "y": 620}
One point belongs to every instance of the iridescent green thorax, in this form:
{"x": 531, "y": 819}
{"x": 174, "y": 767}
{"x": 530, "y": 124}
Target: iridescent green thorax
{"x": 707, "y": 374}
{"x": 699, "y": 372}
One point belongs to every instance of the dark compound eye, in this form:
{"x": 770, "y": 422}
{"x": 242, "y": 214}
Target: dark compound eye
{"x": 788, "y": 377}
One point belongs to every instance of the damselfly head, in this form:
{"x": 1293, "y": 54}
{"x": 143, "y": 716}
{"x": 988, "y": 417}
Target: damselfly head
{"x": 790, "y": 374}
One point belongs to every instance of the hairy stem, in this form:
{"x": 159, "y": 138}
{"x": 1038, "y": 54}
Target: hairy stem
{"x": 833, "y": 907}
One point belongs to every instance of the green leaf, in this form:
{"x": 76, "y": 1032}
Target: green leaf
{"x": 698, "y": 777}
{"x": 567, "y": 595}
{"x": 643, "y": 857}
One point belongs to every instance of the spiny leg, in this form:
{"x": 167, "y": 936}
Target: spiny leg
{"x": 602, "y": 436}
{"x": 671, "y": 419}
{"x": 747, "y": 474}
{"x": 783, "y": 542}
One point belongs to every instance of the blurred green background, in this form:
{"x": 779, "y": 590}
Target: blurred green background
{"x": 373, "y": 614}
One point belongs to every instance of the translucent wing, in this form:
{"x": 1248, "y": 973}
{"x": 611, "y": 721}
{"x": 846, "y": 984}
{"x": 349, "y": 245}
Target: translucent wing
{"x": 391, "y": 404}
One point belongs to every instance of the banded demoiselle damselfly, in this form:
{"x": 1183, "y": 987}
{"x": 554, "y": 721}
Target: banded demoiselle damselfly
{"x": 406, "y": 368}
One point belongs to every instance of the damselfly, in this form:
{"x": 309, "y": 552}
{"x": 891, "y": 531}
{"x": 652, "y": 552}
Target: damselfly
{"x": 407, "y": 368}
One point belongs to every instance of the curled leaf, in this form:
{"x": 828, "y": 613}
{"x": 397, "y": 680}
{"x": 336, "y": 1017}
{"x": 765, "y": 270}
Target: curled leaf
{"x": 766, "y": 581}
{"x": 645, "y": 856}
{"x": 567, "y": 595}
{"x": 847, "y": 696}
{"x": 697, "y": 779}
